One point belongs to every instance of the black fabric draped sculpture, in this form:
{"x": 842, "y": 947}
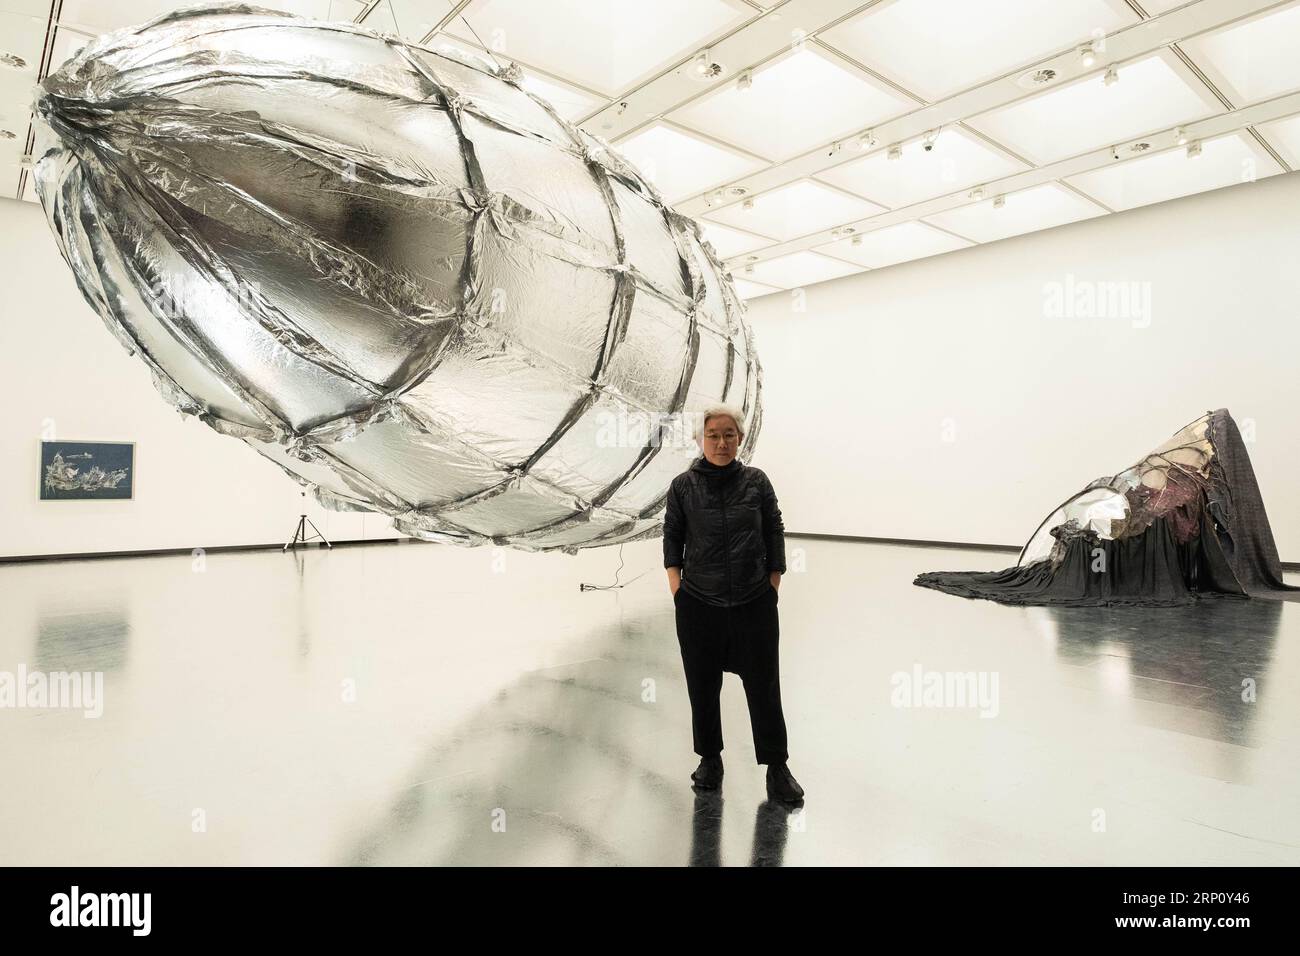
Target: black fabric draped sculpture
{"x": 1185, "y": 521}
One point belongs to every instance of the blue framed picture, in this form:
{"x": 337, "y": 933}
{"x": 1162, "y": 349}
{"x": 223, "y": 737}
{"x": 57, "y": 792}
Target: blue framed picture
{"x": 87, "y": 470}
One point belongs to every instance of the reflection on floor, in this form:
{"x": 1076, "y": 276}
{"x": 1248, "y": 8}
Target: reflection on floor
{"x": 417, "y": 704}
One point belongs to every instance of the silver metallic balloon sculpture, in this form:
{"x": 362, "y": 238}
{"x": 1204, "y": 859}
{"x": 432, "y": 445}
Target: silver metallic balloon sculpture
{"x": 392, "y": 271}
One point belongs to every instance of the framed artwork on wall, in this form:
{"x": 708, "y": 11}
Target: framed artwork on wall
{"x": 87, "y": 470}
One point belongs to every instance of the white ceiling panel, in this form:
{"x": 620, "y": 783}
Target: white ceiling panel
{"x": 729, "y": 242}
{"x": 938, "y": 47}
{"x": 1151, "y": 94}
{"x": 1284, "y": 136}
{"x": 893, "y": 244}
{"x": 21, "y": 36}
{"x": 795, "y": 210}
{"x": 752, "y": 290}
{"x": 345, "y": 9}
{"x": 1225, "y": 161}
{"x": 383, "y": 19}
{"x": 805, "y": 98}
{"x": 1029, "y": 210}
{"x": 9, "y": 176}
{"x": 605, "y": 46}
{"x": 799, "y": 269}
{"x": 572, "y": 104}
{"x": 99, "y": 16}
{"x": 414, "y": 19}
{"x": 1255, "y": 60}
{"x": 27, "y": 8}
{"x": 569, "y": 101}
{"x": 66, "y": 45}
{"x": 11, "y": 151}
{"x": 957, "y": 160}
{"x": 454, "y": 47}
{"x": 681, "y": 164}
{"x": 1157, "y": 7}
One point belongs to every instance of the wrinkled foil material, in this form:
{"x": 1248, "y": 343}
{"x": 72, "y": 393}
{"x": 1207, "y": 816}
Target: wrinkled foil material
{"x": 1167, "y": 483}
{"x": 394, "y": 272}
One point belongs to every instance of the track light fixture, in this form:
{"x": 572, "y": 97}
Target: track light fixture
{"x": 704, "y": 67}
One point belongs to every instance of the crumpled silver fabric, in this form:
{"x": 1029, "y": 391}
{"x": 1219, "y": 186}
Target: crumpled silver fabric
{"x": 394, "y": 272}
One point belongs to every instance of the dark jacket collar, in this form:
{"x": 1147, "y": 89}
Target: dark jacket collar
{"x": 715, "y": 473}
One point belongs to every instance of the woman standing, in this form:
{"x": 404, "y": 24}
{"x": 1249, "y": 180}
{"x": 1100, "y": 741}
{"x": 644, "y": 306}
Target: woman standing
{"x": 724, "y": 548}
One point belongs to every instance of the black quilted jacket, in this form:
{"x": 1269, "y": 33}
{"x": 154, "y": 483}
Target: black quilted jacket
{"x": 724, "y": 530}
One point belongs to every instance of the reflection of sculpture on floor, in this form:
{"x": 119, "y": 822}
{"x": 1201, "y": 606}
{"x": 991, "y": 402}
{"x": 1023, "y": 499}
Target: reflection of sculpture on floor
{"x": 393, "y": 271}
{"x": 1187, "y": 520}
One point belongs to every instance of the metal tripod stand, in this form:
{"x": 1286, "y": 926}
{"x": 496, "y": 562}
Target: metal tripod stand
{"x": 300, "y": 536}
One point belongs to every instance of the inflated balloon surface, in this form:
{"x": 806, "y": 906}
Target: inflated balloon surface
{"x": 394, "y": 272}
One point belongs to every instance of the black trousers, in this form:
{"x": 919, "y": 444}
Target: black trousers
{"x": 741, "y": 640}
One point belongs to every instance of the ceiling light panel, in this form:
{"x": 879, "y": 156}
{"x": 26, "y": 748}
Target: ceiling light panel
{"x": 1255, "y": 60}
{"x": 22, "y": 36}
{"x": 28, "y": 8}
{"x": 413, "y": 19}
{"x": 607, "y": 46}
{"x": 795, "y": 210}
{"x": 894, "y": 244}
{"x": 938, "y": 47}
{"x": 66, "y": 45}
{"x": 681, "y": 164}
{"x": 728, "y": 242}
{"x": 752, "y": 290}
{"x": 957, "y": 160}
{"x": 1225, "y": 161}
{"x": 800, "y": 269}
{"x": 346, "y": 10}
{"x": 1029, "y": 210}
{"x": 11, "y": 152}
{"x": 100, "y": 17}
{"x": 806, "y": 98}
{"x": 569, "y": 101}
{"x": 1088, "y": 114}
{"x": 1284, "y": 136}
{"x": 573, "y": 104}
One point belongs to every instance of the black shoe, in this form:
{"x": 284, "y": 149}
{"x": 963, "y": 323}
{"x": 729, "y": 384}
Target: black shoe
{"x": 708, "y": 775}
{"x": 781, "y": 784}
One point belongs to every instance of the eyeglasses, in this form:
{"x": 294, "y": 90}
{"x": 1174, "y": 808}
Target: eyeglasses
{"x": 728, "y": 437}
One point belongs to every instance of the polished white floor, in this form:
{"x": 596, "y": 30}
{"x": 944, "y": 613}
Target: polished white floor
{"x": 417, "y": 704}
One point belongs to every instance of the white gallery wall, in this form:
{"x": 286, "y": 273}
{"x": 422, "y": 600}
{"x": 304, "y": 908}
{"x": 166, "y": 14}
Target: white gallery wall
{"x": 63, "y": 375}
{"x": 941, "y": 400}
{"x": 934, "y": 400}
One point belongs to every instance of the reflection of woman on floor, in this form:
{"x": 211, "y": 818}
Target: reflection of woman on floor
{"x": 724, "y": 548}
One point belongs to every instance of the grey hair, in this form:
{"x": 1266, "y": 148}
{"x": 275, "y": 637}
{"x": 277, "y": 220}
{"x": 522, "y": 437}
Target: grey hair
{"x": 713, "y": 411}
